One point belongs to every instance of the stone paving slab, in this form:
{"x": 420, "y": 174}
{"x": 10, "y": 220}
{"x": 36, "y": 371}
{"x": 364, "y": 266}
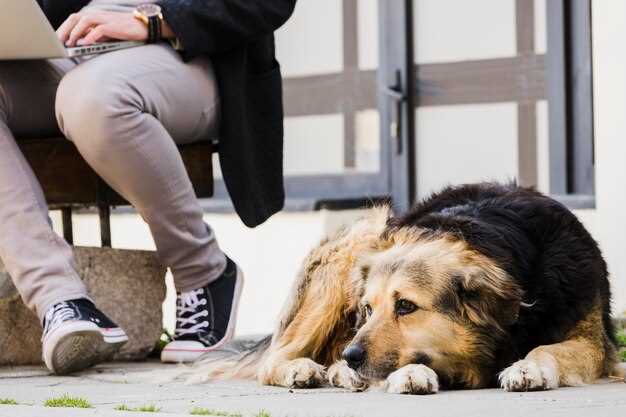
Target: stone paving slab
{"x": 30, "y": 411}
{"x": 138, "y": 384}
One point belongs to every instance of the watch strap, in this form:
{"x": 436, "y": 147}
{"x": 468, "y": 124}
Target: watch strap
{"x": 155, "y": 29}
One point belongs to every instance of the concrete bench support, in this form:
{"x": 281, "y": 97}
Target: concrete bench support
{"x": 128, "y": 285}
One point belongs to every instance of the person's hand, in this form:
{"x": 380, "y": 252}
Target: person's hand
{"x": 91, "y": 27}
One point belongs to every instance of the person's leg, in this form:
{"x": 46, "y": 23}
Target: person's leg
{"x": 133, "y": 108}
{"x": 125, "y": 111}
{"x": 40, "y": 262}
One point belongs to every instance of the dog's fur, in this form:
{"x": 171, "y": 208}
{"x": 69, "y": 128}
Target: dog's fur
{"x": 505, "y": 283}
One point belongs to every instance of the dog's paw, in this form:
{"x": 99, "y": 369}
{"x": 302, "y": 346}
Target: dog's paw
{"x": 304, "y": 373}
{"x": 342, "y": 376}
{"x": 412, "y": 379}
{"x": 529, "y": 375}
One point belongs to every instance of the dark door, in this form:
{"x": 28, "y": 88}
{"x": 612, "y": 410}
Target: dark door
{"x": 396, "y": 98}
{"x": 487, "y": 90}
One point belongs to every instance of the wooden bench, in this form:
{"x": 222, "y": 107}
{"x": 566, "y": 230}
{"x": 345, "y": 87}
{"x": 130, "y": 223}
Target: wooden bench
{"x": 69, "y": 183}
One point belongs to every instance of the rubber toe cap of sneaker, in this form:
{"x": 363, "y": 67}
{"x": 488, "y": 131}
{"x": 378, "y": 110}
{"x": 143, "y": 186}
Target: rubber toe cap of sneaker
{"x": 183, "y": 351}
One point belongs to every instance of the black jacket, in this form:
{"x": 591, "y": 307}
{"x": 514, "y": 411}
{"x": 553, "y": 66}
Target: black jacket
{"x": 238, "y": 36}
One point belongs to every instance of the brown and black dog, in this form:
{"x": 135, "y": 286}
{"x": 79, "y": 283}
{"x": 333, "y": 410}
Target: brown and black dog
{"x": 477, "y": 285}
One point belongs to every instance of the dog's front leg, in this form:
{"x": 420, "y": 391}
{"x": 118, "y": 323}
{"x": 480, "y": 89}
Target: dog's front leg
{"x": 340, "y": 375}
{"x": 570, "y": 363}
{"x": 295, "y": 373}
{"x": 412, "y": 379}
{"x": 576, "y": 361}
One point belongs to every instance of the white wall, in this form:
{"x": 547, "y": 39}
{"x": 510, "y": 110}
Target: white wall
{"x": 608, "y": 223}
{"x": 483, "y": 138}
{"x": 269, "y": 255}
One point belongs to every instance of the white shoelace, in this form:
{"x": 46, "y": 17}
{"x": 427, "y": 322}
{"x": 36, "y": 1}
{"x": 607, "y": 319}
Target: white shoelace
{"x": 58, "y": 314}
{"x": 189, "y": 303}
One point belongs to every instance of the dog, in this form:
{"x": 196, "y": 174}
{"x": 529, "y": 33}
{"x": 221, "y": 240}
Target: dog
{"x": 477, "y": 286}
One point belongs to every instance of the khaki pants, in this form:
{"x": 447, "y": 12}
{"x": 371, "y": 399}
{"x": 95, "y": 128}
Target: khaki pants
{"x": 125, "y": 111}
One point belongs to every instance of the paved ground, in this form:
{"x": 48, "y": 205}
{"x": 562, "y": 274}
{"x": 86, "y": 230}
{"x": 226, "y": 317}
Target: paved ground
{"x": 142, "y": 384}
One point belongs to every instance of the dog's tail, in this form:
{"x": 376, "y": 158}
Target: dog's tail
{"x": 238, "y": 359}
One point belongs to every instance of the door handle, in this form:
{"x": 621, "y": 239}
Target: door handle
{"x": 399, "y": 97}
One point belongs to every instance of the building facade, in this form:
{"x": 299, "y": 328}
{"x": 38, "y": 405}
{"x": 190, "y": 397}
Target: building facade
{"x": 398, "y": 98}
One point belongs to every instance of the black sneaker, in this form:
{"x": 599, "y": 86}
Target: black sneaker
{"x": 77, "y": 335}
{"x": 206, "y": 317}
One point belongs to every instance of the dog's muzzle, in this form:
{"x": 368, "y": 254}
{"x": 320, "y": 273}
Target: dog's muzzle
{"x": 355, "y": 356}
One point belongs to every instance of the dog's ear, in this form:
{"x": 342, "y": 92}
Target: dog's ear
{"x": 487, "y": 298}
{"x": 358, "y": 277}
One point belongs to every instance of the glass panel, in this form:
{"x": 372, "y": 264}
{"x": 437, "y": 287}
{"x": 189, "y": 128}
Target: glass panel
{"x": 314, "y": 145}
{"x": 368, "y": 141}
{"x": 457, "y": 30}
{"x": 332, "y": 136}
{"x": 368, "y": 34}
{"x": 469, "y": 143}
{"x": 310, "y": 42}
{"x": 541, "y": 36}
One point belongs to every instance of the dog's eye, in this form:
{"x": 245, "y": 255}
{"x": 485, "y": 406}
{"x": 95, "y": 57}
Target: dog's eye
{"x": 368, "y": 310}
{"x": 404, "y": 307}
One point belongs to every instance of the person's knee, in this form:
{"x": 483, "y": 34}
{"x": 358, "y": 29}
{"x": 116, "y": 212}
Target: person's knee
{"x": 92, "y": 107}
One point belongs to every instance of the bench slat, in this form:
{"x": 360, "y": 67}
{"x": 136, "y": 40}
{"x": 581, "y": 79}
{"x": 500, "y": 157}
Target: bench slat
{"x": 67, "y": 180}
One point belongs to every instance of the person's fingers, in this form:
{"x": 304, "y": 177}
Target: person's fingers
{"x": 120, "y": 30}
{"x": 97, "y": 34}
{"x": 125, "y": 28}
{"x": 63, "y": 32}
{"x": 84, "y": 25}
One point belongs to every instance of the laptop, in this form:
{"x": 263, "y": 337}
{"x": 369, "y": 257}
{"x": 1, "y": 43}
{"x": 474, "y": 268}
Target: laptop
{"x": 25, "y": 33}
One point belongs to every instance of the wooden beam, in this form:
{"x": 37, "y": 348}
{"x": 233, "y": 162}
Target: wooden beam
{"x": 519, "y": 78}
{"x": 527, "y": 144}
{"x": 350, "y": 64}
{"x": 527, "y": 110}
{"x": 525, "y": 26}
{"x": 330, "y": 93}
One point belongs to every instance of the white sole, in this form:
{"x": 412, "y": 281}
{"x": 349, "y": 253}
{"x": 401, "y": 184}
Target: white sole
{"x": 184, "y": 355}
{"x": 79, "y": 345}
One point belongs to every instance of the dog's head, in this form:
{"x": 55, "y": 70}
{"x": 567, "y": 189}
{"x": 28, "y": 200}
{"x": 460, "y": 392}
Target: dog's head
{"x": 430, "y": 300}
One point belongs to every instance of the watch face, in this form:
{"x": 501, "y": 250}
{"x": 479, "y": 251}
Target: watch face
{"x": 149, "y": 10}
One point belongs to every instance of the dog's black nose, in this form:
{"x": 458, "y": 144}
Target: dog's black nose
{"x": 354, "y": 355}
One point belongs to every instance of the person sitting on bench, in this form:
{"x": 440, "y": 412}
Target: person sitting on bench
{"x": 208, "y": 71}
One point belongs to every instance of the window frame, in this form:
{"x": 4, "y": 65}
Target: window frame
{"x": 346, "y": 93}
{"x": 562, "y": 76}
{"x": 569, "y": 72}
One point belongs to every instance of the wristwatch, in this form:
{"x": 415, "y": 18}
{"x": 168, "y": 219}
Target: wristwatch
{"x": 151, "y": 15}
